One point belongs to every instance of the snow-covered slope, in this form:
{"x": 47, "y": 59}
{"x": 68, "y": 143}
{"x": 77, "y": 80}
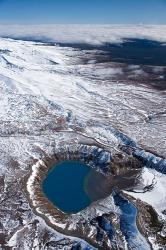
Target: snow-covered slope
{"x": 52, "y": 96}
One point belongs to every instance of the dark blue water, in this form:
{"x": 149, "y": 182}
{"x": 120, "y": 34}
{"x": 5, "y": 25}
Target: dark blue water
{"x": 64, "y": 186}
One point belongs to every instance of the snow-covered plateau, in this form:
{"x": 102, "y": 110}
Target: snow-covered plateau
{"x": 99, "y": 100}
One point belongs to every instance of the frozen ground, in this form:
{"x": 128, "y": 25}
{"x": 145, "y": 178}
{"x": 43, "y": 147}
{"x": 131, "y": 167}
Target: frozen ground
{"x": 121, "y": 107}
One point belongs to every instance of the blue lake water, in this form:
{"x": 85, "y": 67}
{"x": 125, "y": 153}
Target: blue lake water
{"x": 64, "y": 186}
{"x": 72, "y": 186}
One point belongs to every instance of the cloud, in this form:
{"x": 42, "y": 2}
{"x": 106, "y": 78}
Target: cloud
{"x": 90, "y": 34}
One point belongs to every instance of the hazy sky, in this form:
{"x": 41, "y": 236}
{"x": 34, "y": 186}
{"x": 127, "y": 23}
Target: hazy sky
{"x": 83, "y": 11}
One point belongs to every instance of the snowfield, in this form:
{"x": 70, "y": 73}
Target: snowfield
{"x": 53, "y": 95}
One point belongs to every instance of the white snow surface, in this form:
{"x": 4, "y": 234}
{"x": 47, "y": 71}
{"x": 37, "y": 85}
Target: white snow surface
{"x": 40, "y": 85}
{"x": 157, "y": 196}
